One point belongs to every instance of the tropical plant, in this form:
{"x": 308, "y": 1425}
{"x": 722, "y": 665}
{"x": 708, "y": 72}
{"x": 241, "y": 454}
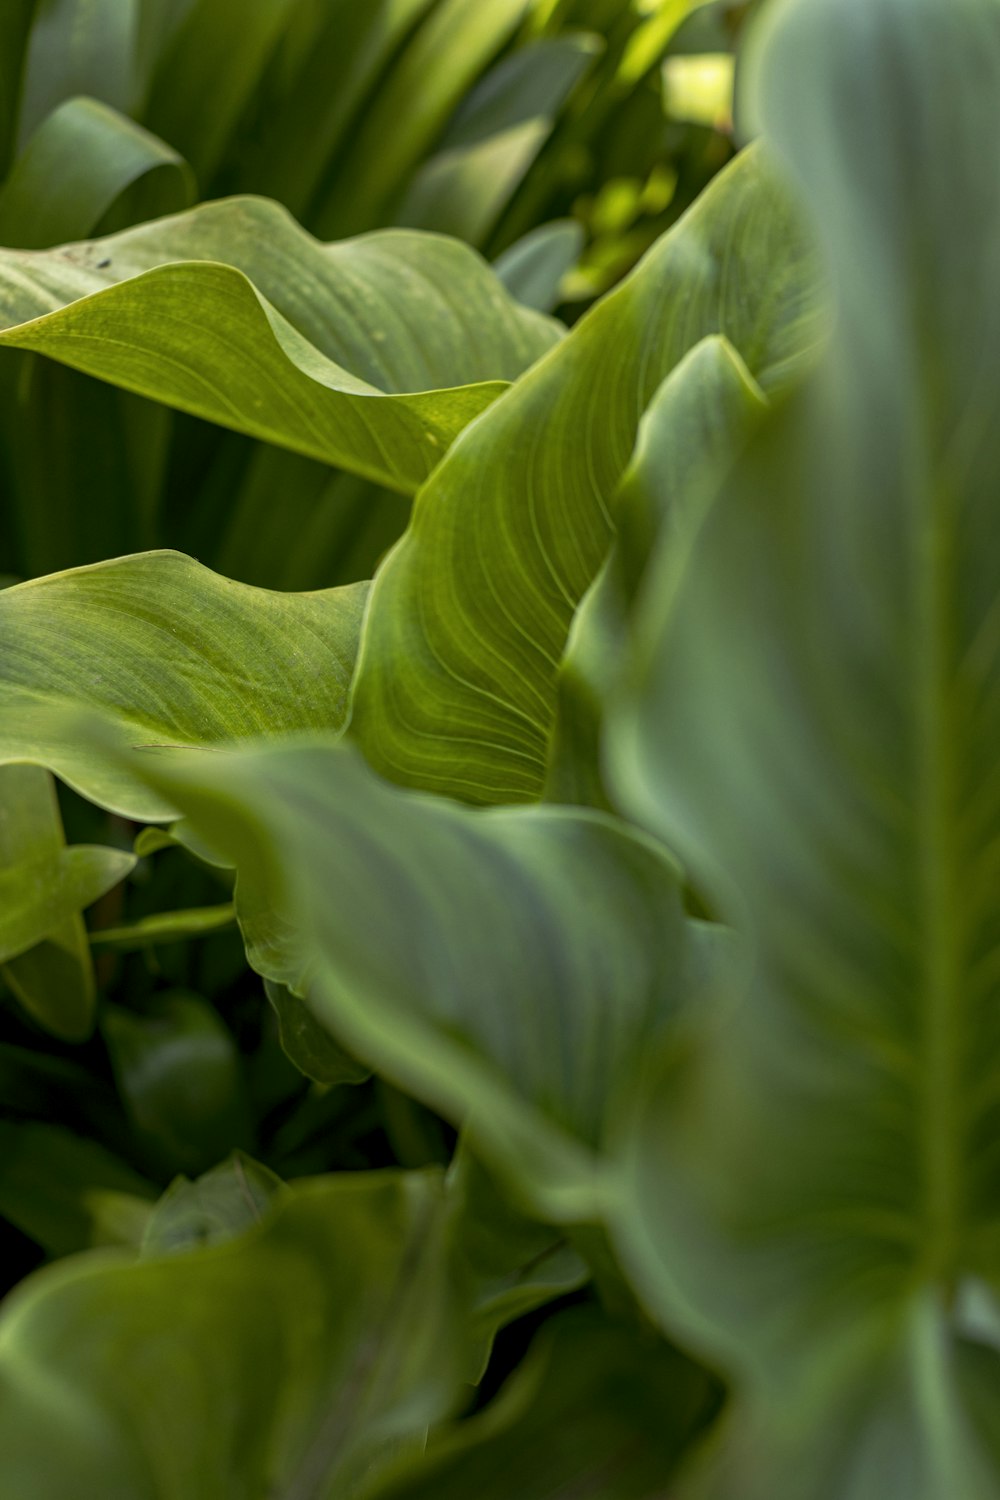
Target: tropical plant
{"x": 618, "y": 863}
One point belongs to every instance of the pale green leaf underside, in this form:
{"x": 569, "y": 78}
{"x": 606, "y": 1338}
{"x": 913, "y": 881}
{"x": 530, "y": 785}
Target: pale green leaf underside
{"x": 371, "y": 354}
{"x": 506, "y": 966}
{"x": 457, "y": 676}
{"x": 815, "y": 1197}
{"x": 166, "y": 653}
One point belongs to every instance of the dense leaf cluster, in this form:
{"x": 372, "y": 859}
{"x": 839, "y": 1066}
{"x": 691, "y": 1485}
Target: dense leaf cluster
{"x": 536, "y": 1031}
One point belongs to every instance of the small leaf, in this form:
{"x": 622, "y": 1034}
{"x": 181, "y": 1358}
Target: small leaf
{"x": 494, "y": 138}
{"x": 179, "y": 1074}
{"x": 307, "y": 1042}
{"x": 78, "y": 47}
{"x": 218, "y": 1206}
{"x": 533, "y": 267}
{"x": 457, "y": 675}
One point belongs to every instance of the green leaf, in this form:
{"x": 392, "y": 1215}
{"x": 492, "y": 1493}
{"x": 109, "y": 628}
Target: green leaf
{"x": 372, "y": 354}
{"x": 692, "y": 433}
{"x": 216, "y": 1207}
{"x": 594, "y": 1410}
{"x": 470, "y": 614}
{"x": 207, "y": 71}
{"x": 811, "y": 1194}
{"x": 67, "y": 1192}
{"x": 166, "y": 652}
{"x": 507, "y": 968}
{"x": 81, "y": 158}
{"x": 429, "y": 78}
{"x": 78, "y": 47}
{"x": 44, "y": 958}
{"x": 180, "y": 1076}
{"x": 15, "y": 26}
{"x": 510, "y": 1264}
{"x": 493, "y": 139}
{"x": 323, "y": 78}
{"x": 164, "y": 927}
{"x": 59, "y": 513}
{"x": 308, "y": 1043}
{"x": 289, "y": 1362}
{"x": 533, "y": 267}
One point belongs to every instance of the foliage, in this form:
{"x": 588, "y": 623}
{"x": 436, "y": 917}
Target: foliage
{"x": 536, "y": 1030}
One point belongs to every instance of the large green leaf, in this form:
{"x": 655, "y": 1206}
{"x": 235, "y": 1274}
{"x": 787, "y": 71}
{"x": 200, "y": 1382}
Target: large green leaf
{"x": 812, "y": 1194}
{"x": 372, "y": 354}
{"x": 167, "y": 653}
{"x": 507, "y": 967}
{"x": 534, "y": 266}
{"x": 288, "y": 1362}
{"x": 457, "y": 676}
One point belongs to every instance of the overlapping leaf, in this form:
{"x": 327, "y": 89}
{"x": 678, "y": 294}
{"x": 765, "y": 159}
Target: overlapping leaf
{"x": 289, "y": 1361}
{"x": 507, "y": 967}
{"x": 812, "y": 1195}
{"x": 494, "y": 137}
{"x": 457, "y": 676}
{"x": 78, "y": 163}
{"x": 372, "y": 354}
{"x": 166, "y": 652}
{"x": 44, "y": 887}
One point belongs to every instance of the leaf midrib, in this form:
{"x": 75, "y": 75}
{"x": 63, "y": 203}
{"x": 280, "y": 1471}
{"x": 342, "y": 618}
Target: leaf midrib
{"x": 941, "y": 941}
